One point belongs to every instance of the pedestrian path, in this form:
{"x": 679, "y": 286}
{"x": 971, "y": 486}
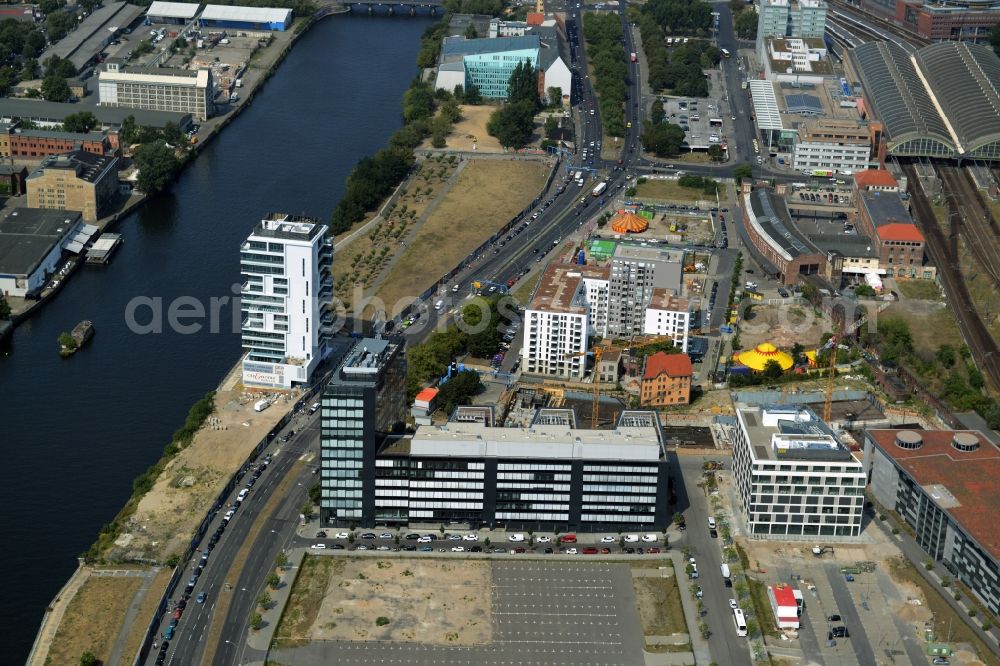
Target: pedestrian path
{"x": 260, "y": 640}
{"x": 133, "y": 608}
{"x": 702, "y": 654}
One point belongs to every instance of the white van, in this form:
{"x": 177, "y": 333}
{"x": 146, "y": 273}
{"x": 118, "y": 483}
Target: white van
{"x": 439, "y": 305}
{"x": 243, "y": 495}
{"x": 516, "y": 538}
{"x": 711, "y": 523}
{"x": 261, "y": 405}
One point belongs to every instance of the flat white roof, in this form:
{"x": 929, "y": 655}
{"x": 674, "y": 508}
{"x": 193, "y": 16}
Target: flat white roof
{"x": 181, "y": 10}
{"x": 765, "y": 105}
{"x": 197, "y": 79}
{"x": 538, "y": 441}
{"x": 248, "y": 14}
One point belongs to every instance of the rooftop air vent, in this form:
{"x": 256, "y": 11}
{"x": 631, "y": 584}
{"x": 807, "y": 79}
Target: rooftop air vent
{"x": 908, "y": 439}
{"x": 965, "y": 442}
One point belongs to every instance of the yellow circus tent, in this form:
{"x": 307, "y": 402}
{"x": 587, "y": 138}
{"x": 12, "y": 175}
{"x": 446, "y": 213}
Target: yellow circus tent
{"x": 629, "y": 223}
{"x": 757, "y": 358}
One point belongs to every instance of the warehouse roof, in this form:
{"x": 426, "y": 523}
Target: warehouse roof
{"x": 899, "y": 98}
{"x": 181, "y": 10}
{"x": 93, "y": 34}
{"x": 27, "y": 236}
{"x": 963, "y": 80}
{"x": 55, "y": 112}
{"x": 245, "y": 14}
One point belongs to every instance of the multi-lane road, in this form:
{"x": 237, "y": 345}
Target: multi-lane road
{"x": 191, "y": 634}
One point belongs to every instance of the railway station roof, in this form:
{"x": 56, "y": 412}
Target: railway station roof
{"x": 942, "y": 101}
{"x": 963, "y": 79}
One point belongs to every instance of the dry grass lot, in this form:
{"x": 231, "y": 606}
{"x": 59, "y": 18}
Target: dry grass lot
{"x": 148, "y": 606}
{"x": 669, "y": 190}
{"x": 362, "y": 599}
{"x": 526, "y": 287}
{"x": 783, "y": 326}
{"x": 946, "y": 621}
{"x": 93, "y": 619}
{"x": 167, "y": 515}
{"x": 931, "y": 323}
{"x": 471, "y": 131}
{"x": 660, "y": 609}
{"x": 487, "y": 194}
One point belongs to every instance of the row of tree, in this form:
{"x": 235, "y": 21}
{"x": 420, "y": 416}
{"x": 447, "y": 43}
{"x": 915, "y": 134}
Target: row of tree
{"x": 603, "y": 33}
{"x": 684, "y": 17}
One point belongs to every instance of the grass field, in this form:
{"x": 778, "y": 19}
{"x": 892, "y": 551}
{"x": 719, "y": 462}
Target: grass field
{"x": 932, "y": 324}
{"x": 305, "y": 599}
{"x": 946, "y": 620}
{"x": 926, "y": 290}
{"x": 765, "y": 617}
{"x": 669, "y": 190}
{"x": 487, "y": 194}
{"x": 93, "y": 619}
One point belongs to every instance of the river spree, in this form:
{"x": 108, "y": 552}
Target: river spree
{"x": 75, "y": 432}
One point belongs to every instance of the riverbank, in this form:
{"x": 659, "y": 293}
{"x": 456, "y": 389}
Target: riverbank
{"x": 258, "y": 73}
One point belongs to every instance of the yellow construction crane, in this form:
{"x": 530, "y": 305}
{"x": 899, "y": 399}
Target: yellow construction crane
{"x": 597, "y": 352}
{"x": 834, "y": 346}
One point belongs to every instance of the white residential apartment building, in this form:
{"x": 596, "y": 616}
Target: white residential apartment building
{"x": 841, "y": 145}
{"x": 790, "y": 18}
{"x": 175, "y": 90}
{"x": 636, "y": 272}
{"x": 559, "y": 320}
{"x": 286, "y": 271}
{"x": 795, "y": 479}
{"x": 668, "y": 316}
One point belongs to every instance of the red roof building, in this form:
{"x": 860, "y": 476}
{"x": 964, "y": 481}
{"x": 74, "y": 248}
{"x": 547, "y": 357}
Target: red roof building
{"x": 875, "y": 179}
{"x": 535, "y": 18}
{"x": 946, "y": 485}
{"x": 900, "y": 231}
{"x": 783, "y": 606}
{"x": 666, "y": 380}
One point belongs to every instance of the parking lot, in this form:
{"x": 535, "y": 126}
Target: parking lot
{"x": 543, "y": 613}
{"x": 693, "y": 115}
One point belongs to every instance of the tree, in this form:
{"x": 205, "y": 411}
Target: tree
{"x": 55, "y": 89}
{"x": 4, "y": 308}
{"x": 80, "y": 123}
{"x": 129, "y": 129}
{"x": 664, "y": 139}
{"x": 273, "y": 580}
{"x": 58, "y": 23}
{"x": 472, "y": 95}
{"x": 264, "y": 599}
{"x": 471, "y": 32}
{"x": 522, "y": 86}
{"x": 551, "y": 126}
{"x": 89, "y": 659}
{"x": 29, "y": 69}
{"x": 743, "y": 172}
{"x": 281, "y": 559}
{"x": 715, "y": 153}
{"x": 256, "y": 621}
{"x": 157, "y": 165}
{"x": 745, "y": 24}
{"x": 864, "y": 291}
{"x": 67, "y": 341}
{"x": 772, "y": 369}
{"x": 737, "y": 6}
{"x": 459, "y": 390}
{"x": 59, "y": 67}
{"x": 657, "y": 114}
{"x": 555, "y": 95}
{"x": 307, "y": 509}
{"x": 418, "y": 102}
{"x": 512, "y": 124}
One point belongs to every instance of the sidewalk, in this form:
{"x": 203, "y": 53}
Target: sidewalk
{"x": 702, "y": 654}
{"x": 261, "y": 640}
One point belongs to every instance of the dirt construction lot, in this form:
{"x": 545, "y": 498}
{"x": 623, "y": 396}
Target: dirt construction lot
{"x": 429, "y": 602}
{"x": 783, "y": 326}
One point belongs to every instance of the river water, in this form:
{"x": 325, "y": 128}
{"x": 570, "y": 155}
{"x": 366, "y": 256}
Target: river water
{"x": 74, "y": 433}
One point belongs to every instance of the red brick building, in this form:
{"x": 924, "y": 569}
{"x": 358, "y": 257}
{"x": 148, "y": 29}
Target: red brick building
{"x": 770, "y": 228}
{"x": 883, "y": 216}
{"x": 18, "y": 143}
{"x": 666, "y": 380}
{"x": 962, "y": 20}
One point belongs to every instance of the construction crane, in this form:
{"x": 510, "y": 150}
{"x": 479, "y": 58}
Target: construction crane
{"x": 597, "y": 352}
{"x": 833, "y": 346}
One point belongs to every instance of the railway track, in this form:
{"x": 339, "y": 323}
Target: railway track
{"x": 976, "y": 223}
{"x": 851, "y": 11}
{"x": 944, "y": 255}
